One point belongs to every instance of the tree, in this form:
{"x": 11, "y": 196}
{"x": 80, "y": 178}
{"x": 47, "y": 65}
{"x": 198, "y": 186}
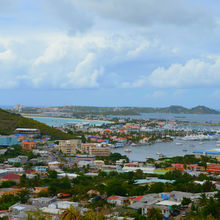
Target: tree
{"x": 71, "y": 214}
{"x": 155, "y": 214}
{"x": 24, "y": 195}
{"x": 36, "y": 215}
{"x": 138, "y": 174}
{"x": 185, "y": 201}
{"x": 52, "y": 174}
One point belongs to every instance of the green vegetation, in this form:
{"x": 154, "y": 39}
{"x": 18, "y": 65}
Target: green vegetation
{"x": 10, "y": 121}
{"x": 207, "y": 208}
{"x": 113, "y": 158}
{"x": 15, "y": 151}
{"x": 8, "y": 200}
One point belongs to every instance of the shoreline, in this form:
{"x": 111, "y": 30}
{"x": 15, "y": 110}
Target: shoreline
{"x": 76, "y": 119}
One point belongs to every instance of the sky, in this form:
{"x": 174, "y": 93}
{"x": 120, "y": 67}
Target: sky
{"x": 150, "y": 53}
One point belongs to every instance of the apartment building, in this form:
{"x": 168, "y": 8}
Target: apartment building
{"x": 100, "y": 151}
{"x": 70, "y": 147}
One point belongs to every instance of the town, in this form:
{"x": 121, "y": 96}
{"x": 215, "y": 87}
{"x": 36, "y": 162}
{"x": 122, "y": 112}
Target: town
{"x": 80, "y": 178}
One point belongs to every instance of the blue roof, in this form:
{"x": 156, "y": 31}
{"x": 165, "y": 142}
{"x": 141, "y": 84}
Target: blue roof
{"x": 213, "y": 152}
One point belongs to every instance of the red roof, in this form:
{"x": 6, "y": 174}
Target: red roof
{"x": 138, "y": 198}
{"x": 113, "y": 197}
{"x": 11, "y": 176}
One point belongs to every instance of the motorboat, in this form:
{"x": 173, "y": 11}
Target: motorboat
{"x": 160, "y": 155}
{"x": 127, "y": 150}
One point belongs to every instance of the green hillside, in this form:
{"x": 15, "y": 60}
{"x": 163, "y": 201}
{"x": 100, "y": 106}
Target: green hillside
{"x": 10, "y": 121}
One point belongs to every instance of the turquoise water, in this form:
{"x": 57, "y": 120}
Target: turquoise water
{"x": 59, "y": 122}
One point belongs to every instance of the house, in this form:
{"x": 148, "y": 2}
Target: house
{"x": 28, "y": 145}
{"x": 117, "y": 200}
{"x": 40, "y": 169}
{"x": 54, "y": 165}
{"x": 9, "y": 191}
{"x": 63, "y": 205}
{"x": 42, "y": 201}
{"x": 20, "y": 211}
{"x": 40, "y": 189}
{"x": 134, "y": 199}
{"x": 10, "y": 177}
{"x": 69, "y": 175}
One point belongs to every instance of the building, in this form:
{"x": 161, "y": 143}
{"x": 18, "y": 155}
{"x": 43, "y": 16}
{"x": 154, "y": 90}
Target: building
{"x": 7, "y": 141}
{"x": 40, "y": 189}
{"x": 87, "y": 146}
{"x": 19, "y": 159}
{"x": 28, "y": 145}
{"x": 211, "y": 153}
{"x": 70, "y": 147}
{"x": 63, "y": 205}
{"x": 42, "y": 201}
{"x": 19, "y": 211}
{"x": 100, "y": 151}
{"x": 10, "y": 177}
{"x": 9, "y": 191}
{"x": 54, "y": 165}
{"x": 117, "y": 200}
{"x": 40, "y": 169}
{"x": 213, "y": 168}
{"x": 84, "y": 157}
{"x": 31, "y": 132}
{"x": 68, "y": 175}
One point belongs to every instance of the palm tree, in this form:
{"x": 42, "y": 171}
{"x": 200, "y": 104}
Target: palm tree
{"x": 203, "y": 199}
{"x": 71, "y": 214}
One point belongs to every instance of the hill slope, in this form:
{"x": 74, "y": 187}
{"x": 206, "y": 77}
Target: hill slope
{"x": 10, "y": 121}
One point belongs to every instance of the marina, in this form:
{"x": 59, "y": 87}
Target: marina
{"x": 169, "y": 149}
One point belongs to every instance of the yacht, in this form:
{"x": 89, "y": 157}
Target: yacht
{"x": 127, "y": 150}
{"x": 199, "y": 137}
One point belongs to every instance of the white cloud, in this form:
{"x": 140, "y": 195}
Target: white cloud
{"x": 54, "y": 52}
{"x": 60, "y": 61}
{"x": 84, "y": 75}
{"x": 194, "y": 73}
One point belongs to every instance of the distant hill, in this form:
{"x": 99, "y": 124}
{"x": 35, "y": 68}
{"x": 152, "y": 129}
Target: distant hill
{"x": 10, "y": 121}
{"x": 180, "y": 110}
{"x": 94, "y": 110}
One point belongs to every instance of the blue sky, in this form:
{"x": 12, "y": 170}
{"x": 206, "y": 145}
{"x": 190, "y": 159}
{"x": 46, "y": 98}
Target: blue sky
{"x": 110, "y": 53}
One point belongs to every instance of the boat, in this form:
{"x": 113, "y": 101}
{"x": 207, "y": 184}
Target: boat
{"x": 201, "y": 142}
{"x": 160, "y": 155}
{"x": 127, "y": 150}
{"x": 184, "y": 150}
{"x": 199, "y": 137}
{"x": 179, "y": 144}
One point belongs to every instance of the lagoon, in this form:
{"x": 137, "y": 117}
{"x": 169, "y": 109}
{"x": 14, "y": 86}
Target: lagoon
{"x": 59, "y": 122}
